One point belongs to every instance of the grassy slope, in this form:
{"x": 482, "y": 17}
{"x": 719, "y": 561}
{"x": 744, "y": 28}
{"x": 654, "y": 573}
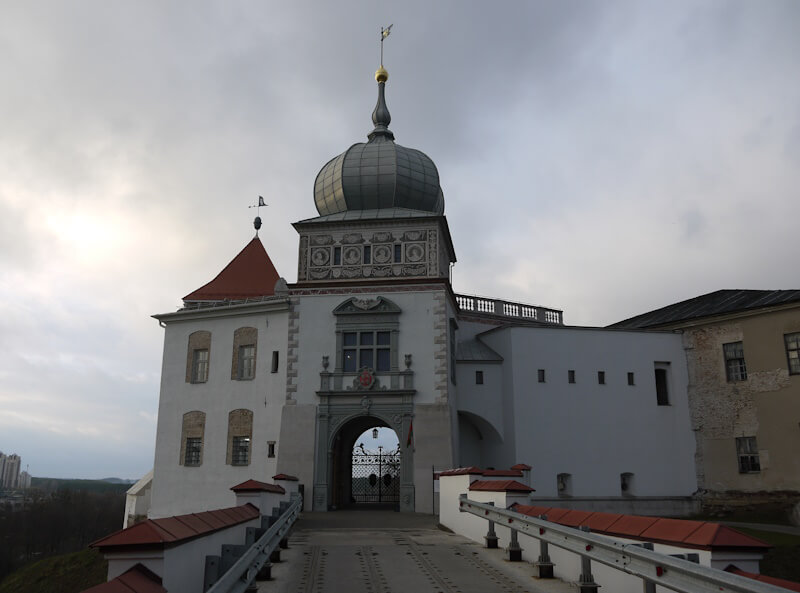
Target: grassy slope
{"x": 67, "y": 573}
{"x": 782, "y": 561}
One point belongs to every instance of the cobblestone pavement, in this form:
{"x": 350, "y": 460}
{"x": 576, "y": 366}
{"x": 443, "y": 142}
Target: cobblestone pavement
{"x": 375, "y": 552}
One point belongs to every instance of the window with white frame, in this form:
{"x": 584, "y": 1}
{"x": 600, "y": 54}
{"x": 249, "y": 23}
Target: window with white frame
{"x": 197, "y": 356}
{"x": 247, "y": 362}
{"x": 366, "y": 335}
{"x": 747, "y": 453}
{"x": 735, "y": 368}
{"x": 371, "y": 349}
{"x": 792, "y": 342}
{"x": 200, "y": 365}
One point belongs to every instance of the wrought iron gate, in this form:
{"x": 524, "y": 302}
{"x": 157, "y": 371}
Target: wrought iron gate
{"x": 376, "y": 476}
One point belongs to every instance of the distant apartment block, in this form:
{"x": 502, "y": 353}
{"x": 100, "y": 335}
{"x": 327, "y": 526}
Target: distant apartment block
{"x": 9, "y": 472}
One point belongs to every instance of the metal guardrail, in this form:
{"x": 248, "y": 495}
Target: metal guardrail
{"x": 243, "y": 572}
{"x": 665, "y": 571}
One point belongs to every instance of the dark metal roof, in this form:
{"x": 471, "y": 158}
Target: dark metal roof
{"x": 476, "y": 351}
{"x": 355, "y": 215}
{"x": 721, "y": 302}
{"x": 378, "y": 174}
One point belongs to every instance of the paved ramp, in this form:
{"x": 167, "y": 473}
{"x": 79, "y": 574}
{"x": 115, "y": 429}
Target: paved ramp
{"x": 384, "y": 552}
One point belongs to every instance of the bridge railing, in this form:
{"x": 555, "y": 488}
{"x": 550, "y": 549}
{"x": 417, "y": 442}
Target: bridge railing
{"x": 652, "y": 567}
{"x": 255, "y": 559}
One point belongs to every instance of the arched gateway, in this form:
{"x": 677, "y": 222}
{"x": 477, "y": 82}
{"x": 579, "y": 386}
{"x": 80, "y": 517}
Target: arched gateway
{"x": 348, "y": 476}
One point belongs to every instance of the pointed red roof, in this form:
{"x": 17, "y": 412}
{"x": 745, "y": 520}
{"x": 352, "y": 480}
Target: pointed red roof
{"x": 250, "y": 274}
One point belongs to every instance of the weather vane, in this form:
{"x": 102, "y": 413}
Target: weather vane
{"x": 384, "y": 34}
{"x": 257, "y": 221}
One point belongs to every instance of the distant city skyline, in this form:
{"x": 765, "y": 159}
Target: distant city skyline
{"x": 603, "y": 158}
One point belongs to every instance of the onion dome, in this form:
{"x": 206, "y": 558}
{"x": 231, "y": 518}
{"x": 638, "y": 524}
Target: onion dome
{"x": 379, "y": 174}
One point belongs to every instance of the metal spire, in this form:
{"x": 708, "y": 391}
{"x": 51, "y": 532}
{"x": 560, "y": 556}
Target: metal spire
{"x": 380, "y": 115}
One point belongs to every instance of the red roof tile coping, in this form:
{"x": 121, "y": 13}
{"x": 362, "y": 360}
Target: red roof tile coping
{"x": 286, "y": 477}
{"x": 249, "y": 274}
{"x": 499, "y": 486}
{"x": 137, "y": 579}
{"x": 463, "y": 471}
{"x": 521, "y": 466}
{"x": 168, "y": 531}
{"x": 791, "y": 585}
{"x": 511, "y": 473}
{"x": 256, "y": 486}
{"x": 676, "y": 532}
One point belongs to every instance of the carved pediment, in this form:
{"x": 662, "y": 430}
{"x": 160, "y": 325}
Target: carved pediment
{"x": 359, "y": 306}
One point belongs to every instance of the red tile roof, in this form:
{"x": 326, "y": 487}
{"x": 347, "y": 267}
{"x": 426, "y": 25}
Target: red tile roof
{"x": 168, "y": 531}
{"x": 286, "y": 477}
{"x": 250, "y": 274}
{"x": 678, "y": 532}
{"x": 509, "y": 473}
{"x": 499, "y": 486}
{"x": 256, "y": 486}
{"x": 137, "y": 579}
{"x": 791, "y": 585}
{"x": 521, "y": 466}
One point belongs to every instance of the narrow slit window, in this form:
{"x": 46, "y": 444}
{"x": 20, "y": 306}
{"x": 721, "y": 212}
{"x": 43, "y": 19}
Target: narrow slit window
{"x": 367, "y": 254}
{"x": 478, "y": 377}
{"x": 571, "y": 376}
{"x": 274, "y": 361}
{"x": 541, "y": 375}
{"x": 630, "y": 379}
{"x": 601, "y": 377}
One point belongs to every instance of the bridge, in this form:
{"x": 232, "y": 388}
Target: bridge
{"x": 487, "y": 540}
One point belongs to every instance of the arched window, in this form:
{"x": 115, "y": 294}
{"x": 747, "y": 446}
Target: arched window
{"x": 192, "y": 434}
{"x": 243, "y": 363}
{"x": 198, "y": 357}
{"x": 240, "y": 434}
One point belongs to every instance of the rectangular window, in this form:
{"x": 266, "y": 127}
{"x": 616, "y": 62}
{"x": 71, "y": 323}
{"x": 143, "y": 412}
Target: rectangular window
{"x": 735, "y": 369}
{"x": 398, "y": 253}
{"x": 630, "y": 379}
{"x": 274, "y": 361}
{"x": 601, "y": 377}
{"x": 271, "y": 449}
{"x": 370, "y": 349}
{"x": 478, "y": 377}
{"x": 541, "y": 375}
{"x": 747, "y": 452}
{"x": 453, "y": 346}
{"x": 247, "y": 362}
{"x": 662, "y": 385}
{"x": 194, "y": 445}
{"x": 367, "y": 254}
{"x": 337, "y": 256}
{"x": 240, "y": 452}
{"x": 200, "y": 366}
{"x": 571, "y": 376}
{"x": 793, "y": 352}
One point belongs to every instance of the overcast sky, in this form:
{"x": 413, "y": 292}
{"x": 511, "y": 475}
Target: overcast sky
{"x": 604, "y": 158}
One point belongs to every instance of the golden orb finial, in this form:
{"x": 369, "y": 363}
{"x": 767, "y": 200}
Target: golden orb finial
{"x": 381, "y": 75}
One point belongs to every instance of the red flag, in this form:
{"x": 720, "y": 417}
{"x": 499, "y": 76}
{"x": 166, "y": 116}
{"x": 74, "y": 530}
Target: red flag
{"x": 410, "y": 433}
